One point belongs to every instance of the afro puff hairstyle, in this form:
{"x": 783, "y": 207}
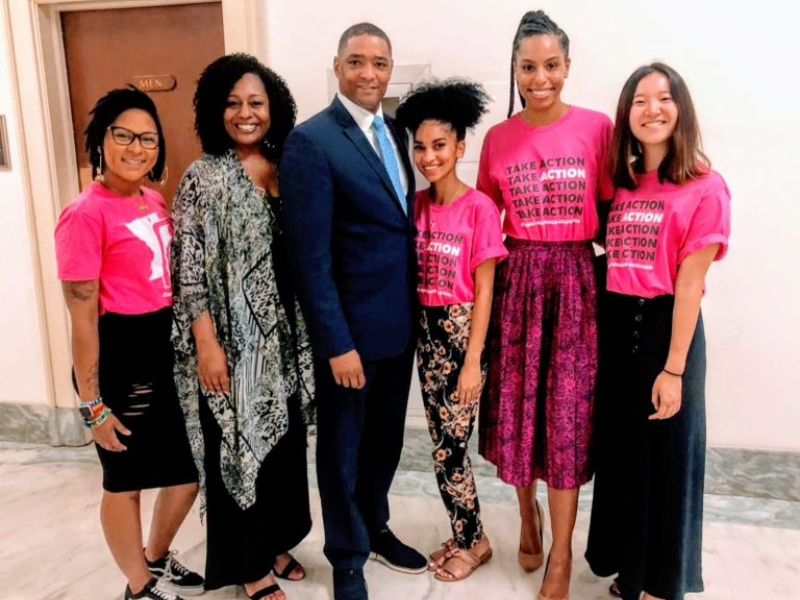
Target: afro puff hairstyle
{"x": 211, "y": 98}
{"x": 457, "y": 102}
{"x": 106, "y": 111}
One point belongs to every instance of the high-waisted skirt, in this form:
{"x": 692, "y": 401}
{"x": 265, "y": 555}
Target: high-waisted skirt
{"x": 137, "y": 385}
{"x": 647, "y": 511}
{"x": 536, "y": 414}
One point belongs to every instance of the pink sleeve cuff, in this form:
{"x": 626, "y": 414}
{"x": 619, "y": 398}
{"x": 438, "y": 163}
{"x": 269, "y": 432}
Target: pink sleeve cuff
{"x": 700, "y": 243}
{"x": 499, "y": 252}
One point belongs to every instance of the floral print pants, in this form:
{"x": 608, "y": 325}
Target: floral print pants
{"x": 441, "y": 349}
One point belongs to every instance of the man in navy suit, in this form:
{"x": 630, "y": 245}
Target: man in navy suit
{"x": 348, "y": 190}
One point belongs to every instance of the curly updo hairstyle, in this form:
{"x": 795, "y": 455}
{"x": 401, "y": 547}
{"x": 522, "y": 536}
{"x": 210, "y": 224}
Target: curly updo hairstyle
{"x": 456, "y": 102}
{"x": 534, "y": 22}
{"x": 211, "y": 98}
{"x": 106, "y": 111}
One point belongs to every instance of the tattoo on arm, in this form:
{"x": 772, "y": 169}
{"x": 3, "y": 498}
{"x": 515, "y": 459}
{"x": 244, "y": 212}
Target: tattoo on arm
{"x": 93, "y": 379}
{"x": 82, "y": 302}
{"x": 80, "y": 290}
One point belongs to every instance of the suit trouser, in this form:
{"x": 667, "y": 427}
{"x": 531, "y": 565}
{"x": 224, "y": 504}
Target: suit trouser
{"x": 359, "y": 441}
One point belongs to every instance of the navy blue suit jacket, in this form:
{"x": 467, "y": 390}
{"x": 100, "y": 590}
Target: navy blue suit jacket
{"x": 350, "y": 245}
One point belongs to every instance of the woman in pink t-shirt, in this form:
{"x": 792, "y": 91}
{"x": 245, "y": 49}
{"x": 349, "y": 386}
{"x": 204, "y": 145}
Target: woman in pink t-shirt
{"x": 112, "y": 248}
{"x": 544, "y": 166}
{"x": 458, "y": 243}
{"x": 670, "y": 219}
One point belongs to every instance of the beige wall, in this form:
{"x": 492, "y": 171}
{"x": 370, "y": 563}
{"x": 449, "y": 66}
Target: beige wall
{"x": 22, "y": 373}
{"x": 36, "y": 396}
{"x": 739, "y": 63}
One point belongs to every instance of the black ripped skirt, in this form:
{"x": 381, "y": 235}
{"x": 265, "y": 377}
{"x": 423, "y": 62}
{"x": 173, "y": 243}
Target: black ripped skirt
{"x": 137, "y": 384}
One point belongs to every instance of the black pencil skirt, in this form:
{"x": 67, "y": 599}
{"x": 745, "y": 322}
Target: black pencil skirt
{"x": 647, "y": 511}
{"x": 137, "y": 384}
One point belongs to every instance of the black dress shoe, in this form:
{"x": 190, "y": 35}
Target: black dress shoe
{"x": 349, "y": 584}
{"x": 387, "y": 549}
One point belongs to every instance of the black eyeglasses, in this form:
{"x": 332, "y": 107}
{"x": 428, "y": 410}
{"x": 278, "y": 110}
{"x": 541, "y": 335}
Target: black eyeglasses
{"x": 125, "y": 137}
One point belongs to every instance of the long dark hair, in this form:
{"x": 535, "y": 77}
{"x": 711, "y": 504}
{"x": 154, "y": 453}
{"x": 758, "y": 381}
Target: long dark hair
{"x": 106, "y": 111}
{"x": 533, "y": 22}
{"x": 685, "y": 159}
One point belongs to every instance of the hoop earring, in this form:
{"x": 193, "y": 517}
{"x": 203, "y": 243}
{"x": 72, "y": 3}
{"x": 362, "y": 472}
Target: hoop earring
{"x": 99, "y": 177}
{"x": 164, "y": 177}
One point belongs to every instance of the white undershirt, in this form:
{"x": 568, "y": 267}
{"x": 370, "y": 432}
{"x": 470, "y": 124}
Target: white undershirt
{"x": 363, "y": 119}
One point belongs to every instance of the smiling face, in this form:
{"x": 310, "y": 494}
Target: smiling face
{"x": 124, "y": 167}
{"x": 363, "y": 69}
{"x": 654, "y": 115}
{"x": 436, "y": 150}
{"x": 246, "y": 113}
{"x": 540, "y": 68}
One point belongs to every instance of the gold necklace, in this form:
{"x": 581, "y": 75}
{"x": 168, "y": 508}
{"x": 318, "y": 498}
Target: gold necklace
{"x": 140, "y": 202}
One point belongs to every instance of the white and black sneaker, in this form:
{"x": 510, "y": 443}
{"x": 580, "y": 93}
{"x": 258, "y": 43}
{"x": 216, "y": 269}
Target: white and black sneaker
{"x": 150, "y": 592}
{"x": 174, "y": 577}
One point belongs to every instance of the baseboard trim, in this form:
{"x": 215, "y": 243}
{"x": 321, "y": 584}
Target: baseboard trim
{"x": 729, "y": 471}
{"x": 38, "y": 424}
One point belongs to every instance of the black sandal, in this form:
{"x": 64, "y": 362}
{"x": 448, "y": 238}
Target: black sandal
{"x": 264, "y": 592}
{"x": 289, "y": 569}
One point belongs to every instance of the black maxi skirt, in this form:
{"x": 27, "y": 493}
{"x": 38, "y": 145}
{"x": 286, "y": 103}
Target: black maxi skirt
{"x": 137, "y": 384}
{"x": 241, "y": 545}
{"x": 647, "y": 511}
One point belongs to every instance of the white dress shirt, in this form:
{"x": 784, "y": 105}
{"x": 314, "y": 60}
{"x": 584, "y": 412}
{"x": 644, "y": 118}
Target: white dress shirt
{"x": 363, "y": 119}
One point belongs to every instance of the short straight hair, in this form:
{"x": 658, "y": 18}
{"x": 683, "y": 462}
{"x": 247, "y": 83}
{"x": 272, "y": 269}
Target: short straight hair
{"x": 362, "y": 29}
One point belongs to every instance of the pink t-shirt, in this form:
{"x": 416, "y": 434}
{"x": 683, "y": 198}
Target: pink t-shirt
{"x": 548, "y": 179}
{"x": 452, "y": 240}
{"x": 101, "y": 235}
{"x": 653, "y": 228}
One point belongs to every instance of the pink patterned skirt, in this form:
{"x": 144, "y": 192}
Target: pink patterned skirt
{"x": 536, "y": 416}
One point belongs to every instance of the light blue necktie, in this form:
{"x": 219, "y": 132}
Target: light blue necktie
{"x": 389, "y": 160}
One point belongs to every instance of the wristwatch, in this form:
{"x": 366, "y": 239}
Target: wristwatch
{"x": 86, "y": 412}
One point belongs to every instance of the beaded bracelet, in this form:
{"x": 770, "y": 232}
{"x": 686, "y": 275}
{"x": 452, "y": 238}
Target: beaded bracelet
{"x": 100, "y": 418}
{"x": 93, "y": 423}
{"x": 92, "y": 403}
{"x": 96, "y": 410}
{"x": 91, "y": 412}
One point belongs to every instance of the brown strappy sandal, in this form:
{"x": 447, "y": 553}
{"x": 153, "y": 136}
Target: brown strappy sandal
{"x": 438, "y": 557}
{"x": 468, "y": 557}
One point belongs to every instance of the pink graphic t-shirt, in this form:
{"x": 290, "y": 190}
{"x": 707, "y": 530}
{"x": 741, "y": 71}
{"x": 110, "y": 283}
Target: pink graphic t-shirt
{"x": 452, "y": 240}
{"x": 101, "y": 235}
{"x": 653, "y": 228}
{"x": 548, "y": 179}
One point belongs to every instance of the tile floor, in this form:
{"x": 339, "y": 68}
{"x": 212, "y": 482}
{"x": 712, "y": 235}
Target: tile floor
{"x": 52, "y": 546}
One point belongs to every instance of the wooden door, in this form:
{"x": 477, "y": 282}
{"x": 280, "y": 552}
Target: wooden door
{"x": 151, "y": 48}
